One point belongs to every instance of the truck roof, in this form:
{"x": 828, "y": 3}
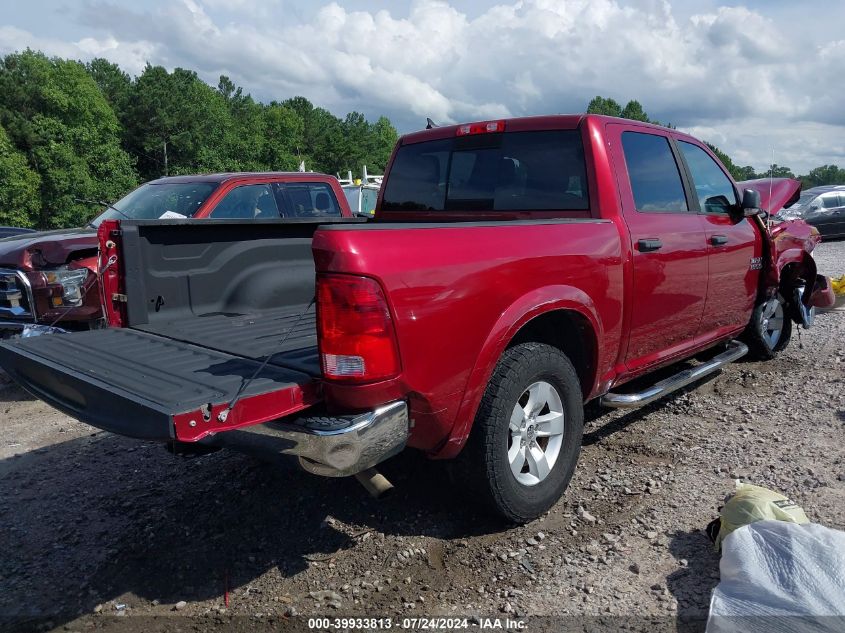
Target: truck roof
{"x": 225, "y": 176}
{"x": 525, "y": 124}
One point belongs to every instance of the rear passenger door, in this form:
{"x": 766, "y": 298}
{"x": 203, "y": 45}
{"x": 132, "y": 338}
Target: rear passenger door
{"x": 247, "y": 202}
{"x": 307, "y": 200}
{"x": 734, "y": 245}
{"x": 669, "y": 250}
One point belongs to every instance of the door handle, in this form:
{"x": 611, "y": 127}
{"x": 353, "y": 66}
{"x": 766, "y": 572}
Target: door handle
{"x": 650, "y": 244}
{"x": 718, "y": 240}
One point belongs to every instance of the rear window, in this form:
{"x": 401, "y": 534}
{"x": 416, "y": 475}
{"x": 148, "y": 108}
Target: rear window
{"x": 516, "y": 171}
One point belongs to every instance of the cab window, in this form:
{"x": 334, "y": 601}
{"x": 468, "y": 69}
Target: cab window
{"x": 654, "y": 175}
{"x": 307, "y": 200}
{"x": 714, "y": 189}
{"x": 247, "y": 202}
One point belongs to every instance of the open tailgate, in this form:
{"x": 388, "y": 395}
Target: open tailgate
{"x": 144, "y": 385}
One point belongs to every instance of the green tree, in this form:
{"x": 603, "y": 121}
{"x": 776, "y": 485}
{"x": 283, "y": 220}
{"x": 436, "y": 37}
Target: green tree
{"x": 778, "y": 171}
{"x": 177, "y": 124}
{"x": 356, "y": 143}
{"x": 55, "y": 114}
{"x": 383, "y": 137}
{"x": 744, "y": 173}
{"x": 246, "y": 135}
{"x": 115, "y": 84}
{"x": 634, "y": 110}
{"x": 78, "y": 131}
{"x": 283, "y": 138}
{"x": 824, "y": 175}
{"x": 325, "y": 142}
{"x": 19, "y": 198}
{"x": 604, "y": 105}
{"x": 333, "y": 145}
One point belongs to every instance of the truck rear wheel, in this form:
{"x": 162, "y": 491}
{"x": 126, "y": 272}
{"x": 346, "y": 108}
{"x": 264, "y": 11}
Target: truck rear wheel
{"x": 769, "y": 330}
{"x": 527, "y": 433}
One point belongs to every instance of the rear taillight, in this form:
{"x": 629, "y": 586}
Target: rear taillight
{"x": 485, "y": 127}
{"x": 355, "y": 331}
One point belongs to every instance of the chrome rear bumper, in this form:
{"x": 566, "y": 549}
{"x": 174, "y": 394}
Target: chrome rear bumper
{"x": 328, "y": 446}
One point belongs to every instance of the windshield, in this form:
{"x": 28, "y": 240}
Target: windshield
{"x": 159, "y": 201}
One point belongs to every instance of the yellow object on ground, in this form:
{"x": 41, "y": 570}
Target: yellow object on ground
{"x": 754, "y": 503}
{"x": 838, "y": 285}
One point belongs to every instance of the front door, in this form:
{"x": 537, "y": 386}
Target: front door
{"x": 734, "y": 247}
{"x": 669, "y": 250}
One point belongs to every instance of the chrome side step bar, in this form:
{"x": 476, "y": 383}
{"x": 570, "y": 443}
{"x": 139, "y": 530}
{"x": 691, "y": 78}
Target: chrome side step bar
{"x": 734, "y": 351}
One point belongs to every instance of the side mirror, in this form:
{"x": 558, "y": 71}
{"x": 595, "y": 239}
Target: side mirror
{"x": 749, "y": 207}
{"x": 751, "y": 202}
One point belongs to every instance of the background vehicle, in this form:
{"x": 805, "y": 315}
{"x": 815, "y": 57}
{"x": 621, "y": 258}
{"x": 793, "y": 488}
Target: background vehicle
{"x": 8, "y": 231}
{"x": 514, "y": 270}
{"x": 823, "y": 207}
{"x": 50, "y": 278}
{"x": 362, "y": 194}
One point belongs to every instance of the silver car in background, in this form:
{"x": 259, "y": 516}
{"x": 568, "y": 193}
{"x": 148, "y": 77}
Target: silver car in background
{"x": 823, "y": 207}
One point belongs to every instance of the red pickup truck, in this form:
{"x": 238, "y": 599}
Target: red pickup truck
{"x": 49, "y": 279}
{"x": 514, "y": 270}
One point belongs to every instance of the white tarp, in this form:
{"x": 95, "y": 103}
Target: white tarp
{"x": 779, "y": 577}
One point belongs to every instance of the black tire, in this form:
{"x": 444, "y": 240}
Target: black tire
{"x": 760, "y": 345}
{"x": 485, "y": 461}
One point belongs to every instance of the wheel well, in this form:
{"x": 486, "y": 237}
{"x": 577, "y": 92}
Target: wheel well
{"x": 794, "y": 274}
{"x": 572, "y": 334}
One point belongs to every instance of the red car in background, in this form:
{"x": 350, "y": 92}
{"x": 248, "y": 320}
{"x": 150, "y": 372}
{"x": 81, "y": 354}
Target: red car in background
{"x": 49, "y": 279}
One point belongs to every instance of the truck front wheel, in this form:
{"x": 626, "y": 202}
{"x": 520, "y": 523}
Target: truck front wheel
{"x": 527, "y": 434}
{"x": 769, "y": 330}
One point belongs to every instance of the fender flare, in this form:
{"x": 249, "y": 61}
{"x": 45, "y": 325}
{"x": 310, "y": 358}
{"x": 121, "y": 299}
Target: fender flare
{"x": 528, "y": 307}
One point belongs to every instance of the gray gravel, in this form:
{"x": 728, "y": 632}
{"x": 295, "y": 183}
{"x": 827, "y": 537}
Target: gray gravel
{"x": 94, "y": 526}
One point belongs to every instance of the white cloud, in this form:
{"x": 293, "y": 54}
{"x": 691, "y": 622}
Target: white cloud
{"x": 800, "y": 145}
{"x": 131, "y": 56}
{"x": 740, "y": 78}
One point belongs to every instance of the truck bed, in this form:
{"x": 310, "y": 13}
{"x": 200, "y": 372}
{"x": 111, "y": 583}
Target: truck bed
{"x": 288, "y": 334}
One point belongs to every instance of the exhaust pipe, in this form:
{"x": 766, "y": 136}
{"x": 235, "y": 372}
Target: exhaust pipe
{"x": 375, "y": 483}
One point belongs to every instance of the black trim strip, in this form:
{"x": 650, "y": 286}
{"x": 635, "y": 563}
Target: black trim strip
{"x": 389, "y": 226}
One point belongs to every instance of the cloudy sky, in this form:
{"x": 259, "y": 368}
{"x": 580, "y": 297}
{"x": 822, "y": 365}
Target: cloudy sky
{"x": 751, "y": 77}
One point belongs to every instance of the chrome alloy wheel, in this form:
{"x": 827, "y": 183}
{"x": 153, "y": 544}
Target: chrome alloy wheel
{"x": 536, "y": 433}
{"x": 771, "y": 324}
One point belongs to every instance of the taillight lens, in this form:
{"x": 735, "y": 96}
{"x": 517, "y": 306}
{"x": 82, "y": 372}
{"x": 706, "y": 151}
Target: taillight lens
{"x": 356, "y": 337}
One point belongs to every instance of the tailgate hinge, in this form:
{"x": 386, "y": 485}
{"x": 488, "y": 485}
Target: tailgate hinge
{"x": 118, "y": 297}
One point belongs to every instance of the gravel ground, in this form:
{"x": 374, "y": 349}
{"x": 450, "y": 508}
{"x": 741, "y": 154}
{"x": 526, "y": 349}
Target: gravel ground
{"x": 99, "y": 531}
